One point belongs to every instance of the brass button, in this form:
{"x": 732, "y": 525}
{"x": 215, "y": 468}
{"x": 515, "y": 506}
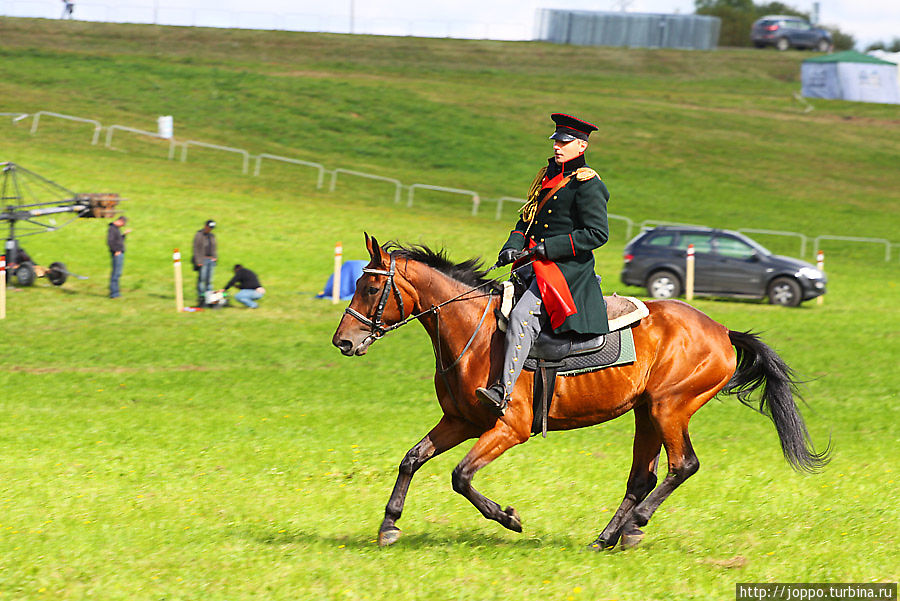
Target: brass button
{"x": 549, "y": 210}
{"x": 542, "y": 239}
{"x": 545, "y": 225}
{"x": 554, "y": 198}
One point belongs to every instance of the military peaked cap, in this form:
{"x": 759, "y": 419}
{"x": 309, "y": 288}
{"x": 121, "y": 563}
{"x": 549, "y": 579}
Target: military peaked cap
{"x": 569, "y": 128}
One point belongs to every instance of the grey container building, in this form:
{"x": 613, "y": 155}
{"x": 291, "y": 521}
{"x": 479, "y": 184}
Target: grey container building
{"x": 632, "y": 30}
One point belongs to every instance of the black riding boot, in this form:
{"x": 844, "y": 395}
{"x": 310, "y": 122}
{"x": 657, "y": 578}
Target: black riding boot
{"x": 492, "y": 397}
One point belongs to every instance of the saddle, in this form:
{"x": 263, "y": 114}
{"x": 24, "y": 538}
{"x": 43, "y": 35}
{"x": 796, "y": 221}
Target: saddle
{"x": 555, "y": 355}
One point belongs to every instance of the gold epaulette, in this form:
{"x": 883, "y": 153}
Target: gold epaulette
{"x": 583, "y": 174}
{"x": 537, "y": 183}
{"x": 528, "y": 210}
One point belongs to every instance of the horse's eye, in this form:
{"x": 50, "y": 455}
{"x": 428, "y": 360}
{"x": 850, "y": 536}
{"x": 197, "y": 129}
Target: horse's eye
{"x": 371, "y": 290}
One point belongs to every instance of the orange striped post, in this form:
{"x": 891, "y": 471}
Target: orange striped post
{"x": 2, "y": 286}
{"x": 820, "y": 263}
{"x": 689, "y": 275}
{"x": 336, "y": 281}
{"x": 179, "y": 282}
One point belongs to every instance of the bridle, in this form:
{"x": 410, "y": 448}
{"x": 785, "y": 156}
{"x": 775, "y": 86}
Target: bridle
{"x": 376, "y": 325}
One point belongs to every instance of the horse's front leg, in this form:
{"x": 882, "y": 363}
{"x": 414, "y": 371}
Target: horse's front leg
{"x": 445, "y": 435}
{"x": 490, "y": 445}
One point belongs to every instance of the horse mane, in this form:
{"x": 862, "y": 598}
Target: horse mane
{"x": 470, "y": 272}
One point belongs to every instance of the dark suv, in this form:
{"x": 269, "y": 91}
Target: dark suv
{"x": 726, "y": 263}
{"x": 785, "y": 32}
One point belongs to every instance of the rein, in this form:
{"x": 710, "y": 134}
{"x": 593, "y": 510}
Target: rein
{"x": 376, "y": 324}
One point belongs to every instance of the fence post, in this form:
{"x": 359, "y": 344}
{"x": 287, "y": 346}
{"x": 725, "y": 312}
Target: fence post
{"x": 689, "y": 277}
{"x": 2, "y": 286}
{"x": 336, "y": 282}
{"x": 820, "y": 263}
{"x": 179, "y": 283}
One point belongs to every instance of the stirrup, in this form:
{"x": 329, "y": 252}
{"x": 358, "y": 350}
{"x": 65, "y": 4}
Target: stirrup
{"x": 493, "y": 400}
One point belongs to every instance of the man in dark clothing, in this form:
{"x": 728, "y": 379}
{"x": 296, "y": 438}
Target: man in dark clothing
{"x": 562, "y": 223}
{"x": 249, "y": 288}
{"x": 204, "y": 259}
{"x": 115, "y": 240}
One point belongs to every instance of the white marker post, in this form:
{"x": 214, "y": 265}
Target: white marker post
{"x": 2, "y": 286}
{"x": 336, "y": 281}
{"x": 689, "y": 276}
{"x": 820, "y": 263}
{"x": 179, "y": 291}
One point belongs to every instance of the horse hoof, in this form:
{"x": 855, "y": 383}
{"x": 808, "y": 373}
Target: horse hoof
{"x": 515, "y": 522}
{"x": 602, "y": 545}
{"x": 388, "y": 537}
{"x": 632, "y": 539}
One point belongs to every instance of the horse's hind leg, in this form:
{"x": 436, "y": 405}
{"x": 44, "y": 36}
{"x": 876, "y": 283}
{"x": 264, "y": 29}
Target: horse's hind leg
{"x": 445, "y": 435}
{"x": 641, "y": 480}
{"x": 683, "y": 464}
{"x": 490, "y": 446}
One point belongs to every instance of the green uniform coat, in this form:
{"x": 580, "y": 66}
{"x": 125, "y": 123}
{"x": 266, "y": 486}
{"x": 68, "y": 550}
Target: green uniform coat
{"x": 571, "y": 225}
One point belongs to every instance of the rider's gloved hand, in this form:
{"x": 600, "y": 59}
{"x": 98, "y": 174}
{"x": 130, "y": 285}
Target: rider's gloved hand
{"x": 539, "y": 250}
{"x": 507, "y": 256}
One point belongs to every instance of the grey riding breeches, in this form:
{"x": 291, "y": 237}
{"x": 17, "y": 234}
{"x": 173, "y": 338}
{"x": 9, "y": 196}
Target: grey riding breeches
{"x": 523, "y": 328}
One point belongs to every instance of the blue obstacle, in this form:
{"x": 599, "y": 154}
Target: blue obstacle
{"x": 350, "y": 272}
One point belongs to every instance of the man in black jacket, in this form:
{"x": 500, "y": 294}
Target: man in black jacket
{"x": 115, "y": 240}
{"x": 249, "y": 288}
{"x": 205, "y": 255}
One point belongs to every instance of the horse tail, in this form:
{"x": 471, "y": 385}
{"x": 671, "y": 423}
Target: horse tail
{"x": 758, "y": 365}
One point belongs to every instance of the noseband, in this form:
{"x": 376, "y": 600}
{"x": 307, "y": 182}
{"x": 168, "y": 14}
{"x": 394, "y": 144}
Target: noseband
{"x": 376, "y": 324}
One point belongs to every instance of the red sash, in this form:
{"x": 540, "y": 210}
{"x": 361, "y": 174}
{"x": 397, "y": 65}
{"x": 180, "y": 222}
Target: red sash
{"x": 554, "y": 290}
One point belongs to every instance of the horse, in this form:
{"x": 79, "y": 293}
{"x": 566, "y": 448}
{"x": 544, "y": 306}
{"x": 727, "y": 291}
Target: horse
{"x": 683, "y": 359}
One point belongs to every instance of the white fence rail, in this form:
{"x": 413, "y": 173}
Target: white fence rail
{"x": 629, "y": 224}
{"x": 651, "y": 223}
{"x": 803, "y": 239}
{"x": 886, "y": 243}
{"x": 240, "y": 151}
{"x": 501, "y": 200}
{"x": 16, "y": 117}
{"x": 476, "y": 200}
{"x": 320, "y": 179}
{"x": 113, "y": 128}
{"x": 398, "y": 185}
{"x": 39, "y": 114}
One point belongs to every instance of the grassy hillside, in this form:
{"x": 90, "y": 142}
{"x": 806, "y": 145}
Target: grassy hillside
{"x": 236, "y": 455}
{"x": 685, "y": 136}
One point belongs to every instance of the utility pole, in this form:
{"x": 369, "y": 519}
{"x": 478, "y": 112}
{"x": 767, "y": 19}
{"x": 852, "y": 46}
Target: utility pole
{"x": 352, "y": 11}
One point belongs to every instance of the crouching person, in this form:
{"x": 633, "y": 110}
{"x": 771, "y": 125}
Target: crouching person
{"x": 249, "y": 288}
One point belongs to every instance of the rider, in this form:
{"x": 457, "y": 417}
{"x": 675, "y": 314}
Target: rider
{"x": 562, "y": 223}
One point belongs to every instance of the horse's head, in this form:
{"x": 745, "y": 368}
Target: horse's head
{"x": 377, "y": 305}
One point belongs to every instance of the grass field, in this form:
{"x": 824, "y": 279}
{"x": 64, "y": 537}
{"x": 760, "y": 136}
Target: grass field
{"x": 236, "y": 455}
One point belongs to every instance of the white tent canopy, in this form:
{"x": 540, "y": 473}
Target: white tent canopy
{"x": 850, "y": 75}
{"x": 891, "y": 57}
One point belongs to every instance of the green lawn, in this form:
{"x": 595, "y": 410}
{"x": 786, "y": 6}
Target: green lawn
{"x": 232, "y": 454}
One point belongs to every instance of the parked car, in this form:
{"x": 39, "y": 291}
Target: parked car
{"x": 726, "y": 263}
{"x": 785, "y": 32}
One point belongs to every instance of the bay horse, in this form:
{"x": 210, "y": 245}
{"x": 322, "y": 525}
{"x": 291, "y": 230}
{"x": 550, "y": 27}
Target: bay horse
{"x": 683, "y": 359}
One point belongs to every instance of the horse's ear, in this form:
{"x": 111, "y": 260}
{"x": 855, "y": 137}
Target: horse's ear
{"x": 371, "y": 245}
{"x": 375, "y": 251}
